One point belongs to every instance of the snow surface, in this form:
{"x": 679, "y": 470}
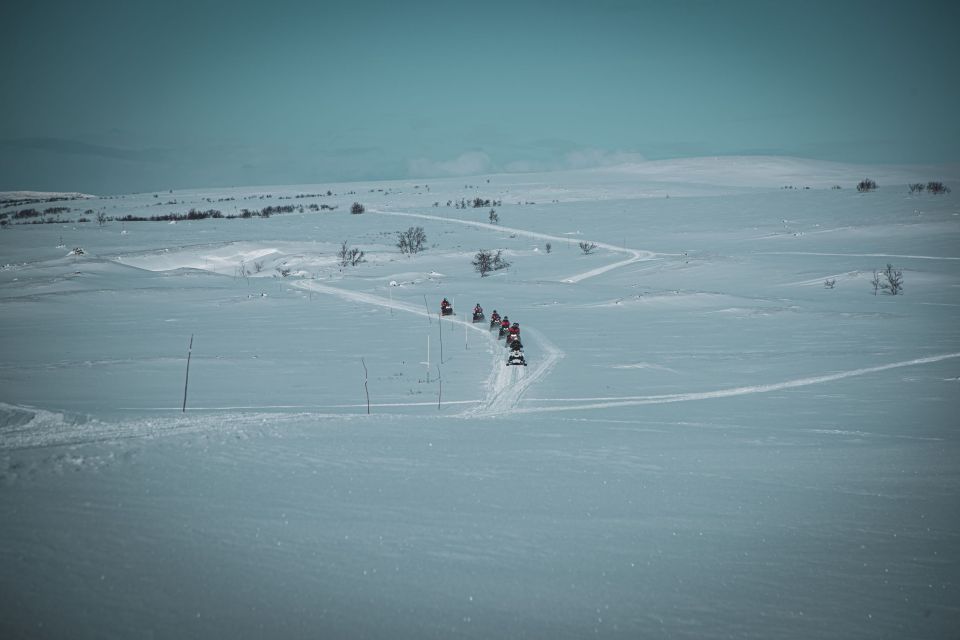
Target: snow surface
{"x": 707, "y": 442}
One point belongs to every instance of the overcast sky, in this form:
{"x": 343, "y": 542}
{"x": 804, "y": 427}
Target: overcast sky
{"x": 120, "y": 96}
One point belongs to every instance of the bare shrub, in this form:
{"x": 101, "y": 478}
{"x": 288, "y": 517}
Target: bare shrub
{"x": 866, "y": 185}
{"x": 891, "y": 280}
{"x": 937, "y": 188}
{"x": 830, "y": 283}
{"x": 349, "y": 256}
{"x": 548, "y": 247}
{"x": 412, "y": 240}
{"x": 357, "y": 208}
{"x": 486, "y": 261}
{"x": 916, "y": 187}
{"x": 587, "y": 247}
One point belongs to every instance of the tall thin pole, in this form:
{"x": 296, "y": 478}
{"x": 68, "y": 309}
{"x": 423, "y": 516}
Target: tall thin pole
{"x": 428, "y": 358}
{"x": 427, "y": 307}
{"x": 440, "y": 392}
{"x": 440, "y": 323}
{"x": 186, "y": 381}
{"x": 365, "y": 387}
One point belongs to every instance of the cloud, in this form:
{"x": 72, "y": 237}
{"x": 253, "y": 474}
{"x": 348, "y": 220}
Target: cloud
{"x": 466, "y": 164}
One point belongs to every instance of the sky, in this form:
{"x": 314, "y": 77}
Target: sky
{"x": 112, "y": 97}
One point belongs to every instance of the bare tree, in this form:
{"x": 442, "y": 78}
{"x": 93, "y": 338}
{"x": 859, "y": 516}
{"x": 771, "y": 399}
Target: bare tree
{"x": 494, "y": 218}
{"x": 875, "y": 281}
{"x": 587, "y": 247}
{"x": 349, "y": 256}
{"x": 483, "y": 262}
{"x": 892, "y": 280}
{"x": 866, "y": 185}
{"x": 548, "y": 247}
{"x": 486, "y": 261}
{"x": 357, "y": 208}
{"x": 412, "y": 240}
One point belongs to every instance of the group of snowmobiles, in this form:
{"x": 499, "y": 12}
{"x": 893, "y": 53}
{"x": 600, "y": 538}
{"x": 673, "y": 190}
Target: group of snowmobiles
{"x": 509, "y": 332}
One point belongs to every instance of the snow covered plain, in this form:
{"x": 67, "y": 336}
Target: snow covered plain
{"x": 708, "y": 443}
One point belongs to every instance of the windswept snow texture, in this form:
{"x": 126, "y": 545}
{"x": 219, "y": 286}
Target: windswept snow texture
{"x": 708, "y": 442}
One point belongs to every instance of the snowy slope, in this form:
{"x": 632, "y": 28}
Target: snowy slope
{"x": 707, "y": 442}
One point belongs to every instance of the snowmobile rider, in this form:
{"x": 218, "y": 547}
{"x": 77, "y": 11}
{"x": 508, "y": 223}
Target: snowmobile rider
{"x": 515, "y": 330}
{"x": 495, "y": 317}
{"x": 444, "y": 305}
{"x": 478, "y": 310}
{"x": 505, "y": 323}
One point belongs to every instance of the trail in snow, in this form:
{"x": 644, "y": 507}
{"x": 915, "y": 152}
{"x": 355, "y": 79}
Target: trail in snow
{"x": 636, "y": 255}
{"x": 504, "y": 386}
{"x": 626, "y": 401}
{"x": 507, "y": 384}
{"x": 854, "y": 255}
{"x": 31, "y": 428}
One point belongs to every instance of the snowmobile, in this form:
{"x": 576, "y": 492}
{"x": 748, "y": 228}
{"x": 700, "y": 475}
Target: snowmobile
{"x": 516, "y": 358}
{"x": 494, "y": 322}
{"x": 503, "y": 331}
{"x": 478, "y": 317}
{"x": 446, "y": 309}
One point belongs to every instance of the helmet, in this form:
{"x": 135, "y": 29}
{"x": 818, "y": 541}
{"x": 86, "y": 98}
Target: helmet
{"x": 516, "y": 324}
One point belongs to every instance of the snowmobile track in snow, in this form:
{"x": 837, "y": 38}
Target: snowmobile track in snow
{"x": 627, "y": 401}
{"x": 505, "y": 385}
{"x": 636, "y": 255}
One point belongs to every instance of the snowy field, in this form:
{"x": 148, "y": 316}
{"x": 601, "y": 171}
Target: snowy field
{"x": 708, "y": 442}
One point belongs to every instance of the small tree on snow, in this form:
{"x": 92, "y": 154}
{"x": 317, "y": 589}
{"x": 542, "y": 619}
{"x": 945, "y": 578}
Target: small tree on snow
{"x": 486, "y": 261}
{"x": 412, "y": 240}
{"x": 892, "y": 280}
{"x": 587, "y": 247}
{"x": 494, "y": 218}
{"x": 357, "y": 208}
{"x": 349, "y": 256}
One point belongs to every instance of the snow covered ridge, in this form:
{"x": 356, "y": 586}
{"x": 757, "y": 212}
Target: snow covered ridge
{"x": 10, "y": 198}
{"x": 774, "y": 171}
